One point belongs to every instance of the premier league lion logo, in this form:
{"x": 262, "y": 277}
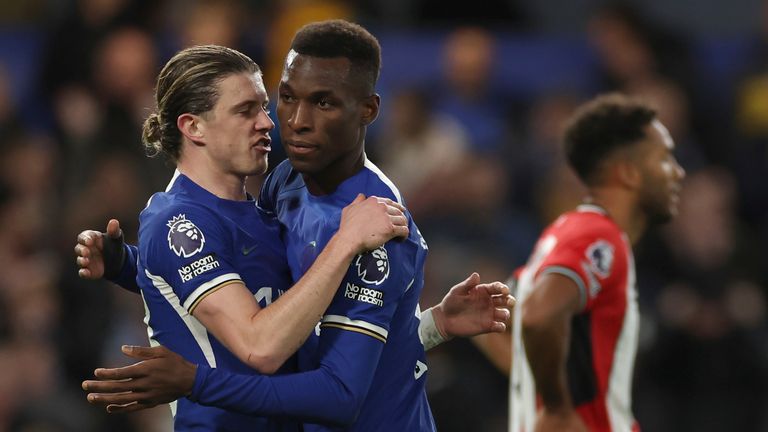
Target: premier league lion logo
{"x": 373, "y": 266}
{"x": 600, "y": 254}
{"x": 184, "y": 237}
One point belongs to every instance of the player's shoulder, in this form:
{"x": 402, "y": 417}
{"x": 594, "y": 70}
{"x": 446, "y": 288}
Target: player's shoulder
{"x": 283, "y": 178}
{"x": 283, "y": 174}
{"x": 584, "y": 224}
{"x": 281, "y": 171}
{"x": 377, "y": 183}
{"x": 177, "y": 215}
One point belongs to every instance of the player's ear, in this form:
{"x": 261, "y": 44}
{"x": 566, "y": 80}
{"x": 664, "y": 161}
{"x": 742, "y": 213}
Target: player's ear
{"x": 628, "y": 173}
{"x": 192, "y": 127}
{"x": 370, "y": 109}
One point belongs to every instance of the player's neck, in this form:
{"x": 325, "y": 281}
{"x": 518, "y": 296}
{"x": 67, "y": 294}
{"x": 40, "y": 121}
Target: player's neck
{"x": 223, "y": 185}
{"x": 622, "y": 208}
{"x": 328, "y": 180}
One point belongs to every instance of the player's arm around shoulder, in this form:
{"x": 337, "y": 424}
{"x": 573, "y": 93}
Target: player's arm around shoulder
{"x": 265, "y": 338}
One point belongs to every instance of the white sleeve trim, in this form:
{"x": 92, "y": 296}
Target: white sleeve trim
{"x": 351, "y": 324}
{"x": 207, "y": 286}
{"x": 570, "y": 274}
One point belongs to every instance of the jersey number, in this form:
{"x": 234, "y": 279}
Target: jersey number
{"x": 264, "y": 294}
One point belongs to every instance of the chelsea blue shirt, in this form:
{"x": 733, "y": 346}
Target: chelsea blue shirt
{"x": 364, "y": 368}
{"x": 192, "y": 243}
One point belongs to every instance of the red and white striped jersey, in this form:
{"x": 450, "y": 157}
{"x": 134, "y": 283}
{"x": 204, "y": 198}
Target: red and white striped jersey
{"x": 588, "y": 247}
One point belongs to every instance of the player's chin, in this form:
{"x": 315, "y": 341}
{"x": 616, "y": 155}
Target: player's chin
{"x": 257, "y": 168}
{"x": 302, "y": 164}
{"x": 665, "y": 215}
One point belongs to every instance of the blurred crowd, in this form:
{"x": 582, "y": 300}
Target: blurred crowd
{"x": 476, "y": 156}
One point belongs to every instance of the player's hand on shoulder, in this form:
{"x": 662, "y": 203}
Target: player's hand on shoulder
{"x": 162, "y": 376}
{"x": 368, "y": 223}
{"x": 100, "y": 253}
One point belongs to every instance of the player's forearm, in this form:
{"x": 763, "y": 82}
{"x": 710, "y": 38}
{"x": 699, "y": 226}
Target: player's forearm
{"x": 276, "y": 332}
{"x": 546, "y": 348}
{"x": 333, "y": 393}
{"x": 284, "y": 396}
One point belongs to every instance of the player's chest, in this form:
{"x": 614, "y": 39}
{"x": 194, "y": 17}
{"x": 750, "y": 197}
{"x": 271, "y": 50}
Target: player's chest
{"x": 259, "y": 256}
{"x": 308, "y": 226}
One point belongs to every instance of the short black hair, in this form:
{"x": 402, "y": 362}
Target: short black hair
{"x": 601, "y": 126}
{"x": 340, "y": 38}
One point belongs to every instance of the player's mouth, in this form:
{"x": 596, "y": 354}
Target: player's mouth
{"x": 300, "y": 147}
{"x": 264, "y": 144}
{"x": 674, "y": 193}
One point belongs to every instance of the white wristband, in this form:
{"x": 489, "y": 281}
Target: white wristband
{"x": 428, "y": 333}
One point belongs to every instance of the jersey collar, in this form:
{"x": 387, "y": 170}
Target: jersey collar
{"x": 591, "y": 208}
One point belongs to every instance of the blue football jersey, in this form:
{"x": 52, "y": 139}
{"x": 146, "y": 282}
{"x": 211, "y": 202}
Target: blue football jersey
{"x": 190, "y": 244}
{"x": 378, "y": 298}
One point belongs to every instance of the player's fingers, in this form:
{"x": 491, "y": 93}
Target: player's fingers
{"x": 122, "y": 373}
{"x": 127, "y": 408}
{"x": 394, "y": 210}
{"x": 494, "y": 288}
{"x": 359, "y": 198}
{"x": 498, "y": 327}
{"x": 109, "y": 386}
{"x": 499, "y": 300}
{"x": 113, "y": 228}
{"x": 393, "y": 204}
{"x": 84, "y": 273}
{"x": 398, "y": 220}
{"x": 401, "y": 231}
{"x": 511, "y": 301}
{"x": 500, "y": 314}
{"x": 144, "y": 353}
{"x": 82, "y": 262}
{"x": 82, "y": 250}
{"x": 112, "y": 398}
{"x": 88, "y": 237}
{"x": 469, "y": 283}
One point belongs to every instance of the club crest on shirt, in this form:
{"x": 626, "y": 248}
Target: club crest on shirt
{"x": 600, "y": 256}
{"x": 373, "y": 266}
{"x": 184, "y": 237}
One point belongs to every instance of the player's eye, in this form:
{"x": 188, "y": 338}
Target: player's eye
{"x": 324, "y": 103}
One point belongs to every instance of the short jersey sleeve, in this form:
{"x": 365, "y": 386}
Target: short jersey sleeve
{"x": 371, "y": 290}
{"x": 593, "y": 259}
{"x": 189, "y": 251}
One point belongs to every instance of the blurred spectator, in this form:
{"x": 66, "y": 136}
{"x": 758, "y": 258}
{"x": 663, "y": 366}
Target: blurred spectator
{"x": 71, "y": 45}
{"x": 467, "y": 92}
{"x": 288, "y": 17}
{"x": 749, "y": 155}
{"x": 124, "y": 68}
{"x": 10, "y": 125}
{"x": 542, "y": 183}
{"x": 218, "y": 22}
{"x": 421, "y": 151}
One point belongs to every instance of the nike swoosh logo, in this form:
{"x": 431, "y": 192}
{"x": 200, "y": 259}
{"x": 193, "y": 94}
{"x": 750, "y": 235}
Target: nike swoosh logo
{"x": 246, "y": 250}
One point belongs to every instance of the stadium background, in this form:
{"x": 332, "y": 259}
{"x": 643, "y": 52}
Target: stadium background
{"x": 473, "y": 100}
